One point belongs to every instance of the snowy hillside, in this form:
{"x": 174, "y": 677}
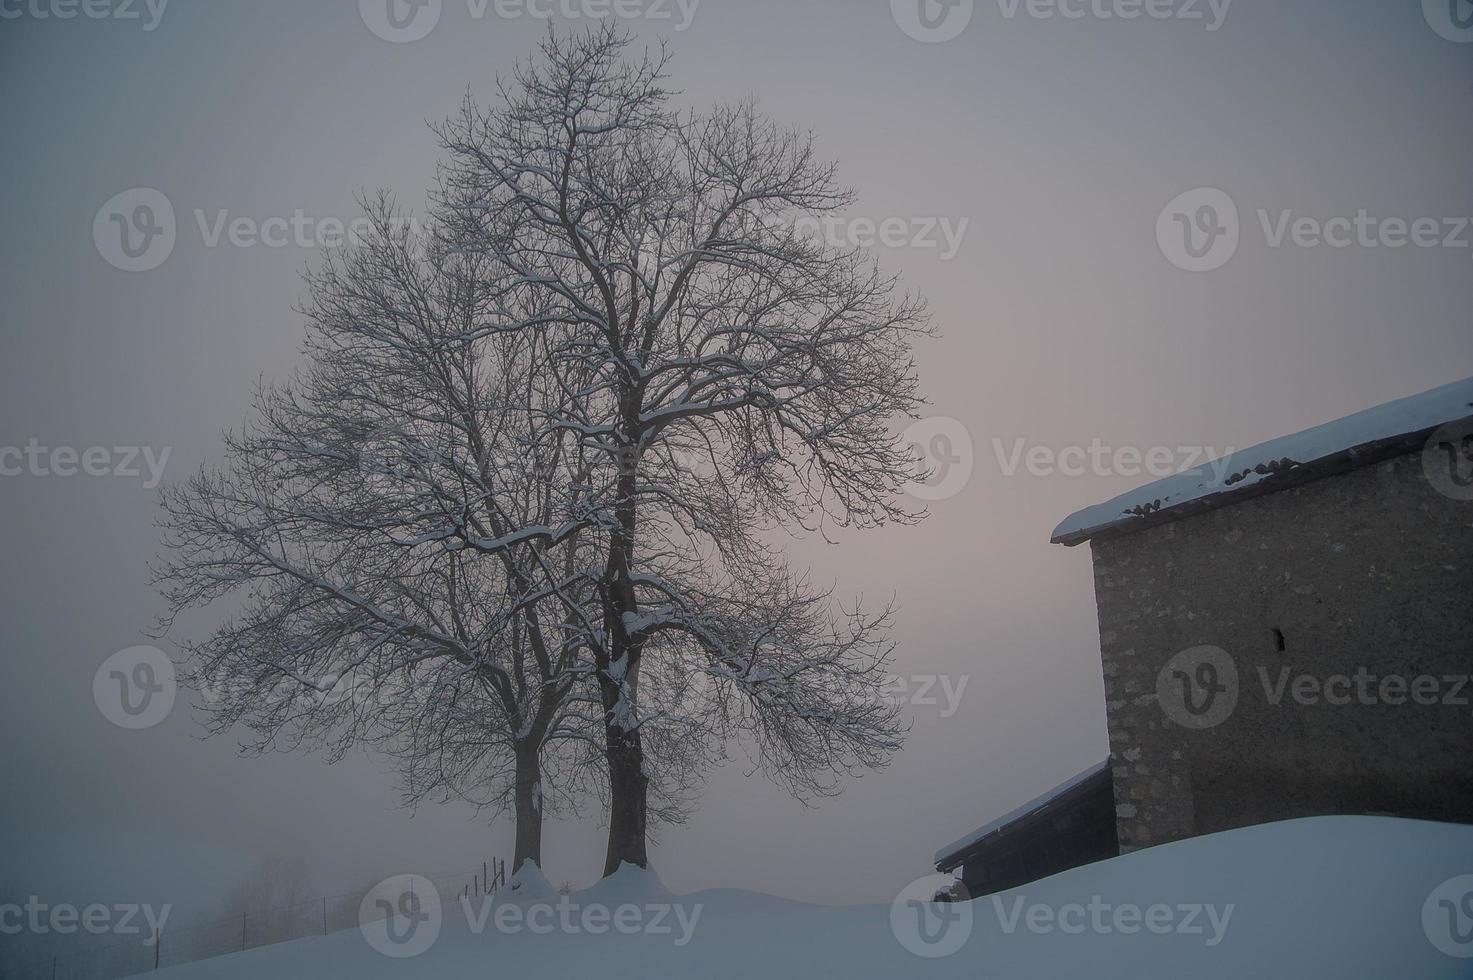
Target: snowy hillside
{"x": 1329, "y": 897}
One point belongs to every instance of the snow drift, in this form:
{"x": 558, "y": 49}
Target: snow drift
{"x": 1330, "y": 897}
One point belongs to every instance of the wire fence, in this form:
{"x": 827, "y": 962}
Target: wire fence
{"x": 234, "y": 934}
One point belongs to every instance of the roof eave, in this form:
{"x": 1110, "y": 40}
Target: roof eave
{"x": 1297, "y": 474}
{"x": 955, "y": 855}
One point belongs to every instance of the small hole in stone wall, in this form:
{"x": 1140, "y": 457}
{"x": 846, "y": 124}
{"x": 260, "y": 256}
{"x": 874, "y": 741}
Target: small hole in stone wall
{"x": 1278, "y": 639}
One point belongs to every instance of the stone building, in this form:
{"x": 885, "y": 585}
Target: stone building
{"x": 1290, "y": 634}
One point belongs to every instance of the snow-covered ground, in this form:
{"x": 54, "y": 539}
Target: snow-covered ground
{"x": 1334, "y": 897}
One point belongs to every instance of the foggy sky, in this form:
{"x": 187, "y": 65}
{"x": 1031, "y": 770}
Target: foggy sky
{"x": 1059, "y": 141}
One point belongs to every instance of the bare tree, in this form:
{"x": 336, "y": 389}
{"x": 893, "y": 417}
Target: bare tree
{"x": 408, "y": 538}
{"x": 725, "y": 377}
{"x": 524, "y": 490}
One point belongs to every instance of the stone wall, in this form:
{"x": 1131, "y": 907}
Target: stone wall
{"x": 1344, "y": 608}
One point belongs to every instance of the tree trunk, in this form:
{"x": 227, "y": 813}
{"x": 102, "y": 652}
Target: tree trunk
{"x": 628, "y": 786}
{"x": 618, "y": 682}
{"x": 528, "y": 808}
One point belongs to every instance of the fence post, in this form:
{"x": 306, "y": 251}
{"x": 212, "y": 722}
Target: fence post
{"x": 324, "y": 915}
{"x": 242, "y": 932}
{"x": 158, "y": 941}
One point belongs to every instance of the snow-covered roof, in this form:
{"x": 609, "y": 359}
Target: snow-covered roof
{"x": 1356, "y": 440}
{"x": 955, "y": 848}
